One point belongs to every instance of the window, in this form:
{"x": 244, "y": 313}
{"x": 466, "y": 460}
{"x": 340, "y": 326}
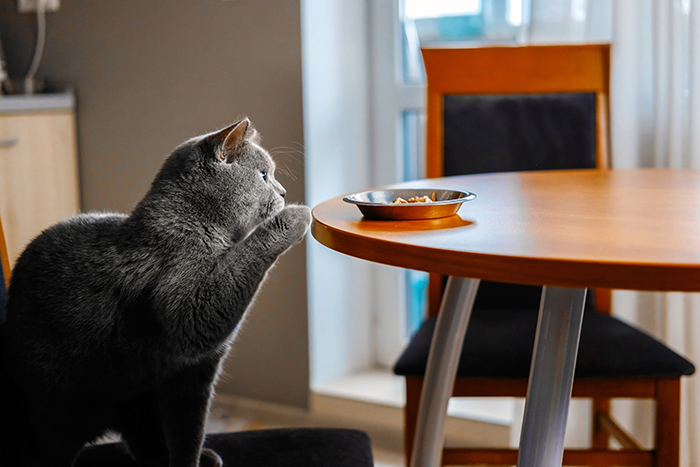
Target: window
{"x": 399, "y": 28}
{"x": 364, "y": 96}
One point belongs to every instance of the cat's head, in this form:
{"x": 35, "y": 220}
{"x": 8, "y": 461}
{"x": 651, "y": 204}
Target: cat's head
{"x": 224, "y": 178}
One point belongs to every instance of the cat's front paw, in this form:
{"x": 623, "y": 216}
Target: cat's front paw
{"x": 283, "y": 230}
{"x": 294, "y": 221}
{"x": 209, "y": 458}
{"x": 289, "y": 226}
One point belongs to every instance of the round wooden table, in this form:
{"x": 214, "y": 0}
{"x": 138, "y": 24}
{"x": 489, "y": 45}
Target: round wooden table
{"x": 567, "y": 230}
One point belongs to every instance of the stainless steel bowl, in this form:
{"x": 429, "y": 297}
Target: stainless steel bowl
{"x": 378, "y": 204}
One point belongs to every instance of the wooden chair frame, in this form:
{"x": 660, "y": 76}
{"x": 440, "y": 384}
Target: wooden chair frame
{"x": 540, "y": 70}
{"x": 4, "y": 258}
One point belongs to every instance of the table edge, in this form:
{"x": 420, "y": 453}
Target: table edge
{"x": 575, "y": 273}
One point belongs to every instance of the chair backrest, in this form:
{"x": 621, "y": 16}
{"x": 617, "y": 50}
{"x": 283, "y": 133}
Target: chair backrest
{"x": 4, "y": 274}
{"x": 513, "y": 108}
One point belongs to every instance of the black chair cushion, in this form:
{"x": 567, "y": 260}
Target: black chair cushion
{"x": 505, "y": 133}
{"x": 499, "y": 344}
{"x": 302, "y": 447}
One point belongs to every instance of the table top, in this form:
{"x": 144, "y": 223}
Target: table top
{"x": 623, "y": 229}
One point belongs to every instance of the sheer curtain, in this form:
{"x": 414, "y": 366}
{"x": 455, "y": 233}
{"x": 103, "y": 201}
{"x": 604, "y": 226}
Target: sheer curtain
{"x": 655, "y": 122}
{"x": 655, "y": 118}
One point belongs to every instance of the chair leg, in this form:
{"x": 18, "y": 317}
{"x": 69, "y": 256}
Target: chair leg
{"x": 414, "y": 386}
{"x": 668, "y": 421}
{"x": 600, "y": 437}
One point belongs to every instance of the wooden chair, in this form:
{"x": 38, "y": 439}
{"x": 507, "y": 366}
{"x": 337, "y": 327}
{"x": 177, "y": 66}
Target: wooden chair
{"x": 495, "y": 109}
{"x": 4, "y": 274}
{"x": 292, "y": 447}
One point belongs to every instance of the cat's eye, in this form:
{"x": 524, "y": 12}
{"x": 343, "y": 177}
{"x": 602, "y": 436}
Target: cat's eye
{"x": 264, "y": 176}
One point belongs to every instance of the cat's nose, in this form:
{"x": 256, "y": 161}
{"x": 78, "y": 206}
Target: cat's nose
{"x": 283, "y": 192}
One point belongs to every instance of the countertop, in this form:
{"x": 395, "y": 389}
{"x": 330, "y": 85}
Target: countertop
{"x": 37, "y": 102}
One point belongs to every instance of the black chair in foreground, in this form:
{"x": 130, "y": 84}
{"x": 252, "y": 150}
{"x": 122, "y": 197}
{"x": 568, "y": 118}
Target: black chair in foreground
{"x": 291, "y": 447}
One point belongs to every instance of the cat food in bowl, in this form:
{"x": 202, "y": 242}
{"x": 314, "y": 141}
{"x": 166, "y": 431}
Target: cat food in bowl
{"x": 409, "y": 203}
{"x": 415, "y": 199}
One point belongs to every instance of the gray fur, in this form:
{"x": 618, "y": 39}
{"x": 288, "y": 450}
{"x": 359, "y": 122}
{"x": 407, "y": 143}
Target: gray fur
{"x": 120, "y": 323}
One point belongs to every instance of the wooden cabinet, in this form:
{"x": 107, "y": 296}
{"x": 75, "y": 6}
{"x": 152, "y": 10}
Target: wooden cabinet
{"x": 38, "y": 173}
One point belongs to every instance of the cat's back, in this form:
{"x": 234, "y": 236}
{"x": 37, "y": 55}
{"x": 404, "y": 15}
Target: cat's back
{"x": 65, "y": 261}
{"x": 72, "y": 244}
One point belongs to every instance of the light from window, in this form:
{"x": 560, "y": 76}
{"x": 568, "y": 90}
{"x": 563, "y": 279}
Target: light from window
{"x": 578, "y": 10}
{"x": 416, "y": 300}
{"x": 514, "y": 12}
{"x": 437, "y": 8}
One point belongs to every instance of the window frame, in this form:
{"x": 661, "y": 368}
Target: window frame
{"x": 391, "y": 97}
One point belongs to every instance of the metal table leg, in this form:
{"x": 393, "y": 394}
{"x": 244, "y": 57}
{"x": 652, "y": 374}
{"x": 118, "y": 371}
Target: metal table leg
{"x": 440, "y": 374}
{"x": 551, "y": 377}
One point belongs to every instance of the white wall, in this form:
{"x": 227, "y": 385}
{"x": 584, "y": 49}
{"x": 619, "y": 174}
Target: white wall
{"x": 336, "y": 67}
{"x": 149, "y": 75}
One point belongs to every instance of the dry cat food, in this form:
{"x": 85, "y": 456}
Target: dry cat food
{"x": 415, "y": 199}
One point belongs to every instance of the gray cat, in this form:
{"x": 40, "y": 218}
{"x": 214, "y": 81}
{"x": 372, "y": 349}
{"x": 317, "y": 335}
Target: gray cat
{"x": 120, "y": 323}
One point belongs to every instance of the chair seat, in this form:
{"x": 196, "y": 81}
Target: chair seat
{"x": 298, "y": 447}
{"x": 499, "y": 344}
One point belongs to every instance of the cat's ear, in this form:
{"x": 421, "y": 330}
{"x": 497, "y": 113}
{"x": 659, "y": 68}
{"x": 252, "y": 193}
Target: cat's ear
{"x": 231, "y": 138}
{"x": 241, "y": 132}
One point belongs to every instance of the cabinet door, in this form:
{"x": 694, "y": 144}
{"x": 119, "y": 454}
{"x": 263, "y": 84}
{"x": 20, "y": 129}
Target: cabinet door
{"x": 38, "y": 175}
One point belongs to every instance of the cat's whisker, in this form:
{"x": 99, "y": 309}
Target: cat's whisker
{"x": 296, "y": 144}
{"x": 290, "y": 173}
{"x": 284, "y": 169}
{"x": 296, "y": 156}
{"x": 288, "y": 153}
{"x": 287, "y": 149}
{"x": 288, "y": 168}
